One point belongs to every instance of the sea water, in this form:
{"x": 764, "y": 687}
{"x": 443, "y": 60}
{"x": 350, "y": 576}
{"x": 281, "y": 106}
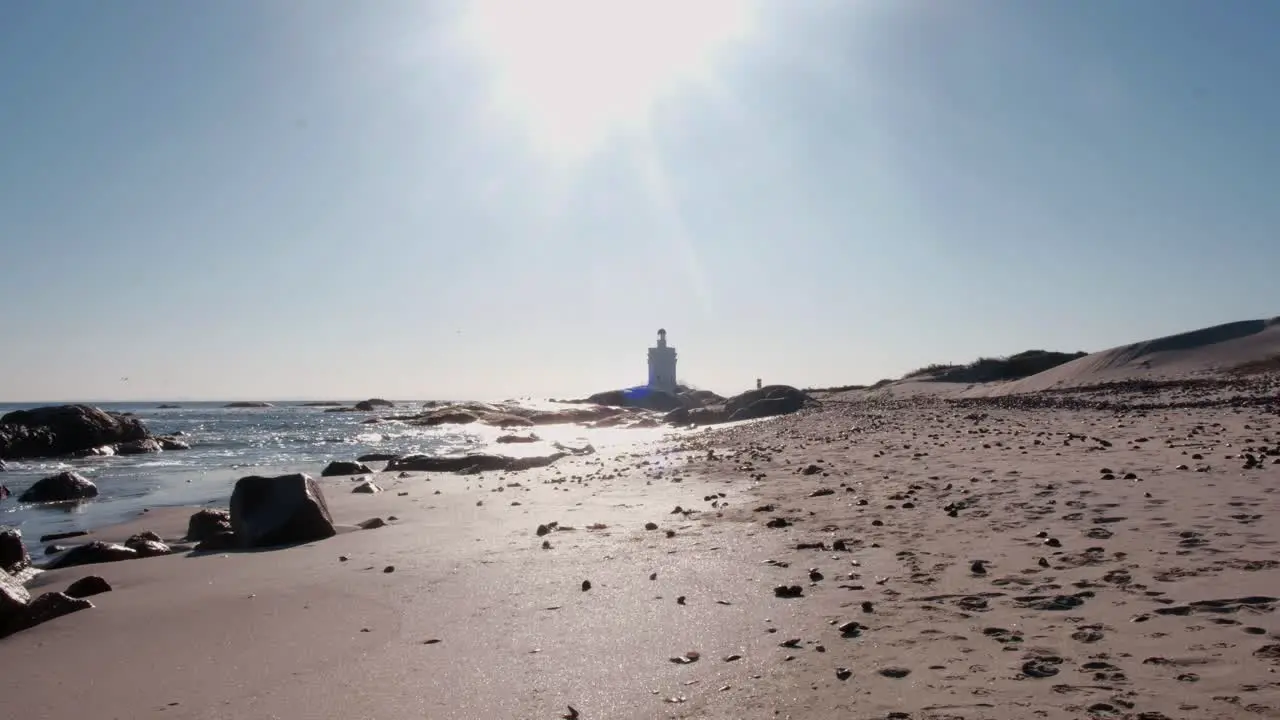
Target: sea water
{"x": 230, "y": 443}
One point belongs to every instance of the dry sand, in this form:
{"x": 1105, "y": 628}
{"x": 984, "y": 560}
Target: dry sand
{"x": 1100, "y": 594}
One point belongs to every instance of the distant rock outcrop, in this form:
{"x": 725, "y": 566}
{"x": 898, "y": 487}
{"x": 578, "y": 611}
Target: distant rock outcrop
{"x": 284, "y": 510}
{"x": 66, "y": 486}
{"x": 657, "y": 400}
{"x": 373, "y": 404}
{"x": 765, "y": 402}
{"x": 248, "y": 404}
{"x": 471, "y": 463}
{"x": 64, "y": 430}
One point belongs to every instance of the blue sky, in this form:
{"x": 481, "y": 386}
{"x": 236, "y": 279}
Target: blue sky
{"x": 250, "y": 199}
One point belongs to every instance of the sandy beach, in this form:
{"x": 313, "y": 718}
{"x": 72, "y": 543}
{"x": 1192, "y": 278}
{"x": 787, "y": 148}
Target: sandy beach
{"x": 996, "y": 560}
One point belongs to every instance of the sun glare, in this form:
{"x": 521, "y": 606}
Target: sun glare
{"x": 578, "y": 72}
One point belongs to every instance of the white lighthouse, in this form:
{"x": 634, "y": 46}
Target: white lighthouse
{"x": 662, "y": 365}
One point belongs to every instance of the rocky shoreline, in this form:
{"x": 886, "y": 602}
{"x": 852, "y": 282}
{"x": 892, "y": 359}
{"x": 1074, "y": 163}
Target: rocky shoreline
{"x": 996, "y": 558}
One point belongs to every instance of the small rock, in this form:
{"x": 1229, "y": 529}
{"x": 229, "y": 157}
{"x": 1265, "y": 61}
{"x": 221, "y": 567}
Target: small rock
{"x": 651, "y": 526}
{"x": 88, "y": 586}
{"x": 788, "y": 591}
{"x": 586, "y": 585}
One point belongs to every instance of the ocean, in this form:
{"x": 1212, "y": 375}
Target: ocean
{"x": 230, "y": 443}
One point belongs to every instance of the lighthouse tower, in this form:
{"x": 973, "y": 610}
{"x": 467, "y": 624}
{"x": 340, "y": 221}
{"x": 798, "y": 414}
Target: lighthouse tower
{"x": 662, "y": 365}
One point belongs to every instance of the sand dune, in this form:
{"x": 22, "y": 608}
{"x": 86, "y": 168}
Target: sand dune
{"x": 1221, "y": 349}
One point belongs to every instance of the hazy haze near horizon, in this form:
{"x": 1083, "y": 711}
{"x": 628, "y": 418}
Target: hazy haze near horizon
{"x": 266, "y": 199}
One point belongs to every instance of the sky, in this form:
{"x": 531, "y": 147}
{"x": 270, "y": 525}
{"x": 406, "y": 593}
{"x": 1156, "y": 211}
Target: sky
{"x": 266, "y": 199}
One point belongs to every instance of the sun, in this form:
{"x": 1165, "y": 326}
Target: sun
{"x": 576, "y": 73}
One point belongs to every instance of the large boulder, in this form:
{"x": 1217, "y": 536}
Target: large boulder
{"x": 13, "y": 554}
{"x": 377, "y": 457}
{"x": 64, "y": 429}
{"x": 64, "y": 487}
{"x": 204, "y": 524}
{"x": 92, "y": 554}
{"x": 345, "y": 467}
{"x": 284, "y": 510}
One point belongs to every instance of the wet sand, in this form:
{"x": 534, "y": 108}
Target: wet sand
{"x": 1143, "y": 592}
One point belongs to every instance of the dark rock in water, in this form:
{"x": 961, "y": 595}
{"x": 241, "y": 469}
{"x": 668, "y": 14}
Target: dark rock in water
{"x": 62, "y": 535}
{"x": 376, "y": 457}
{"x": 63, "y": 487}
{"x": 509, "y": 439}
{"x": 206, "y": 523}
{"x": 471, "y": 463}
{"x": 368, "y": 487}
{"x": 284, "y": 510}
{"x": 172, "y": 443}
{"x": 373, "y": 404}
{"x": 223, "y": 540}
{"x": 345, "y": 467}
{"x": 139, "y": 447}
{"x": 13, "y": 554}
{"x": 88, "y": 586}
{"x": 63, "y": 430}
{"x": 92, "y": 554}
{"x": 243, "y": 404}
{"x": 45, "y": 608}
{"x": 168, "y": 407}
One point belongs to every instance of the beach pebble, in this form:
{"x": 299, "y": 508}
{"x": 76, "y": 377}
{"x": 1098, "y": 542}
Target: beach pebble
{"x": 389, "y": 569}
{"x": 788, "y": 591}
{"x": 586, "y": 585}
